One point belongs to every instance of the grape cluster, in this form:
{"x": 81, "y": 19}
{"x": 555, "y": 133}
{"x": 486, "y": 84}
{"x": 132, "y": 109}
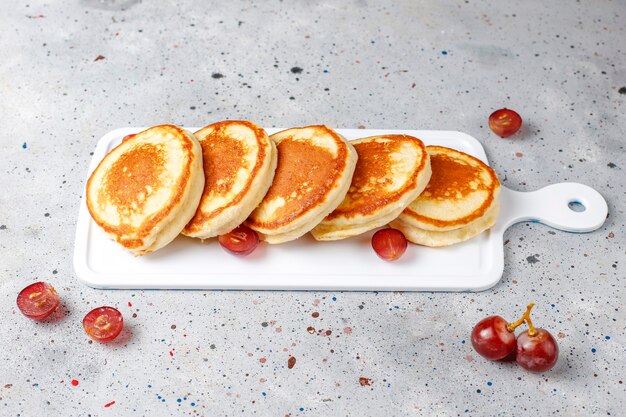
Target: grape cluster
{"x": 535, "y": 349}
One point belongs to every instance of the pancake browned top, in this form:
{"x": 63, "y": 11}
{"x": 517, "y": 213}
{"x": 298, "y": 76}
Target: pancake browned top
{"x": 233, "y": 152}
{"x": 382, "y": 176}
{"x": 138, "y": 184}
{"x": 310, "y": 162}
{"x": 461, "y": 190}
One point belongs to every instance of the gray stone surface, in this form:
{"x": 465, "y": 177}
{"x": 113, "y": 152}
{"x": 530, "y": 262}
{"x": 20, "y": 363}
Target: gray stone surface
{"x": 72, "y": 70}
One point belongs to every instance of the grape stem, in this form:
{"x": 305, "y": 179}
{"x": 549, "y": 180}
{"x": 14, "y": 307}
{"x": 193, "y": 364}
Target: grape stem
{"x": 525, "y": 318}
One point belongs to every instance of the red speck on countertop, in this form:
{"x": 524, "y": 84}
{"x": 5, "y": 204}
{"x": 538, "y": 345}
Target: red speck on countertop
{"x": 365, "y": 381}
{"x": 75, "y": 382}
{"x": 109, "y": 404}
{"x": 291, "y": 362}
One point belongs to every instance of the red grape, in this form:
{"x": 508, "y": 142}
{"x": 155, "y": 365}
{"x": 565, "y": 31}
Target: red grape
{"x": 505, "y": 122}
{"x": 103, "y": 324}
{"x": 38, "y": 300}
{"x": 537, "y": 353}
{"x": 492, "y": 339}
{"x": 240, "y": 241}
{"x": 389, "y": 244}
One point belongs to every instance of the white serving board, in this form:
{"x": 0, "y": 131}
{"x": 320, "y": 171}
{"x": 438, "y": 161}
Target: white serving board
{"x": 349, "y": 264}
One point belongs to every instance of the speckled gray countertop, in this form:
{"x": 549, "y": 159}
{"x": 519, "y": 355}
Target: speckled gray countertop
{"x": 72, "y": 70}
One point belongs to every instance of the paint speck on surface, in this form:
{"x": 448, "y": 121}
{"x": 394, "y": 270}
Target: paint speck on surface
{"x": 561, "y": 335}
{"x": 24, "y": 145}
{"x": 489, "y": 383}
{"x": 179, "y": 400}
{"x": 291, "y": 362}
{"x": 264, "y": 324}
{"x": 347, "y": 330}
{"x": 171, "y": 353}
{"x": 262, "y": 360}
{"x": 365, "y": 381}
{"x": 193, "y": 404}
{"x": 532, "y": 259}
{"x": 217, "y": 75}
{"x": 278, "y": 329}
{"x": 328, "y": 332}
{"x": 173, "y": 326}
{"x": 310, "y": 329}
{"x": 607, "y": 337}
{"x": 99, "y": 58}
{"x": 444, "y": 52}
{"x": 264, "y": 394}
{"x": 296, "y": 70}
{"x": 315, "y": 314}
{"x": 109, "y": 404}
{"x": 611, "y": 165}
{"x": 622, "y": 90}
{"x": 519, "y": 154}
{"x": 334, "y": 298}
{"x": 301, "y": 408}
{"x": 130, "y": 304}
{"x": 74, "y": 382}
{"x": 593, "y": 350}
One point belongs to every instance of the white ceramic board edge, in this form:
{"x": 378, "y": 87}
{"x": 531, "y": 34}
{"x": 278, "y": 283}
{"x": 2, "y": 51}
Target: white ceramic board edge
{"x": 349, "y": 264}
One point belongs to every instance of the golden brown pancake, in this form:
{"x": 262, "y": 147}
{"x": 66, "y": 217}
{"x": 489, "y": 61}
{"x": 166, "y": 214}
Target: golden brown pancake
{"x": 392, "y": 170}
{"x": 146, "y": 189}
{"x": 239, "y": 163}
{"x": 462, "y": 194}
{"x": 315, "y": 166}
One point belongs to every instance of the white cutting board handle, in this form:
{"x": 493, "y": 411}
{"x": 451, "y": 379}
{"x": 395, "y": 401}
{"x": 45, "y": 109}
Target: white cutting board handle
{"x": 550, "y": 206}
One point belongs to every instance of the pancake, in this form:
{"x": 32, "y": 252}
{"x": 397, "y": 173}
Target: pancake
{"x": 460, "y": 201}
{"x": 146, "y": 190}
{"x": 315, "y": 167}
{"x": 447, "y": 237}
{"x": 239, "y": 164}
{"x": 392, "y": 170}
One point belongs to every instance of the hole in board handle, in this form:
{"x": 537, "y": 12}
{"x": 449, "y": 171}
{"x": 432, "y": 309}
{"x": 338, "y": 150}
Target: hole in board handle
{"x": 576, "y": 206}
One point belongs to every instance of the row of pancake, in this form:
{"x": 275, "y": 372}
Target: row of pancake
{"x": 164, "y": 181}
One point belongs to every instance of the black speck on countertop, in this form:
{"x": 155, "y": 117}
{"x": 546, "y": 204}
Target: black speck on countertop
{"x": 532, "y": 259}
